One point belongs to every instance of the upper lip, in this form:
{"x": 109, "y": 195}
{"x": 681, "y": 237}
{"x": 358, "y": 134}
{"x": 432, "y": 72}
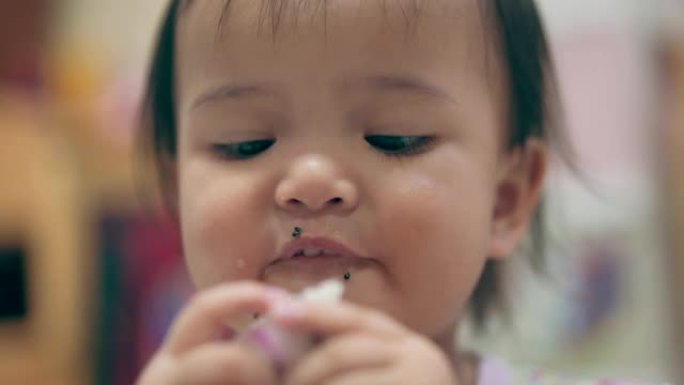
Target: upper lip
{"x": 326, "y": 245}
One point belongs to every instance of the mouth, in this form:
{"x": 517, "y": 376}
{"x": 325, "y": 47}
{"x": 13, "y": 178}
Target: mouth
{"x": 309, "y": 260}
{"x": 313, "y": 248}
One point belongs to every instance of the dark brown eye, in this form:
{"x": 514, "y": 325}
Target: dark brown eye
{"x": 243, "y": 150}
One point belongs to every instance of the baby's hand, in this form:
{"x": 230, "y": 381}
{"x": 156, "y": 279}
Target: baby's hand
{"x": 192, "y": 352}
{"x": 361, "y": 346}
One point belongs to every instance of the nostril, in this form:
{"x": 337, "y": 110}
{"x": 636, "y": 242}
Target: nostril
{"x": 336, "y": 201}
{"x": 295, "y": 203}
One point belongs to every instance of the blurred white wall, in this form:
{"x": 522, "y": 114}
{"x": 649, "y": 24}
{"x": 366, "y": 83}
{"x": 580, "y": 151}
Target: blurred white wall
{"x": 607, "y": 56}
{"x": 563, "y": 16}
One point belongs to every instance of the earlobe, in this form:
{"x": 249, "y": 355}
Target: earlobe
{"x": 520, "y": 181}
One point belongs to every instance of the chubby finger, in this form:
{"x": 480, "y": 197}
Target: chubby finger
{"x": 222, "y": 363}
{"x": 207, "y": 313}
{"x": 359, "y": 352}
{"x": 328, "y": 320}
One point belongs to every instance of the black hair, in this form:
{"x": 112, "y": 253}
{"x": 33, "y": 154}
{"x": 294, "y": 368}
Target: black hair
{"x": 532, "y": 96}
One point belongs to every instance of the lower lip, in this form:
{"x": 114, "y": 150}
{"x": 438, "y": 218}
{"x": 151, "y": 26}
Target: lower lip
{"x": 313, "y": 269}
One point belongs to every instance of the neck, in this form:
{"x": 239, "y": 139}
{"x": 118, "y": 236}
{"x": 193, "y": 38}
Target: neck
{"x": 465, "y": 364}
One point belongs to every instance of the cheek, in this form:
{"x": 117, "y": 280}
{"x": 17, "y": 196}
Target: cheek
{"x": 437, "y": 215}
{"x": 435, "y": 236}
{"x": 222, "y": 221}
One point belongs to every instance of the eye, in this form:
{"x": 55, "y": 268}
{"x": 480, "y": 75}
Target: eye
{"x": 399, "y": 145}
{"x": 242, "y": 150}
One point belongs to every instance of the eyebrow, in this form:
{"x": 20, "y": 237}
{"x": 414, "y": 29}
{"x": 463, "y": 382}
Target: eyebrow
{"x": 406, "y": 83}
{"x": 232, "y": 91}
{"x": 382, "y": 82}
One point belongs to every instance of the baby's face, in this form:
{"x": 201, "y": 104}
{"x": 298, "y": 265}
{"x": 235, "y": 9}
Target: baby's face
{"x": 376, "y": 127}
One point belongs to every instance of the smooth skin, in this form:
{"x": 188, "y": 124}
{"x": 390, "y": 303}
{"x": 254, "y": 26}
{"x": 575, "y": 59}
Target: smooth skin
{"x": 379, "y": 126}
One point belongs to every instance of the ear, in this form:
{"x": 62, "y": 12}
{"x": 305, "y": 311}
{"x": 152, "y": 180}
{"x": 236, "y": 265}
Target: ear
{"x": 519, "y": 183}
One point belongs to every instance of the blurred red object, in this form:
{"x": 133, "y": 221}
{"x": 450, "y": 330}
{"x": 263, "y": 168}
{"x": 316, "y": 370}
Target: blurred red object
{"x": 23, "y": 30}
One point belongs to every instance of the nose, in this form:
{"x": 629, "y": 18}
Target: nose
{"x": 315, "y": 185}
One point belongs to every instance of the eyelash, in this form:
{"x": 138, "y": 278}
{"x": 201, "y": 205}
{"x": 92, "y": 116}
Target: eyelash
{"x": 411, "y": 145}
{"x": 387, "y": 144}
{"x": 243, "y": 150}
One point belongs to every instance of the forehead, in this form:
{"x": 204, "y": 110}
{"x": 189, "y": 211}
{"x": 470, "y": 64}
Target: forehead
{"x": 250, "y": 39}
{"x": 270, "y": 16}
{"x": 276, "y": 9}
